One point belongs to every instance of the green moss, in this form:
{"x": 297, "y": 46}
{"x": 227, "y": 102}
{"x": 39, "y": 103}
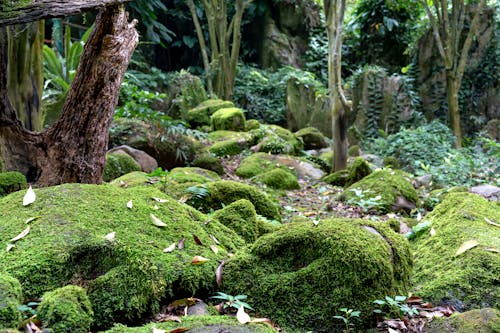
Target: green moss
{"x": 131, "y": 179}
{"x": 328, "y": 158}
{"x": 388, "y": 184}
{"x": 353, "y": 151}
{"x": 337, "y": 178}
{"x": 209, "y": 162}
{"x": 256, "y": 164}
{"x": 241, "y": 217}
{"x": 192, "y": 174}
{"x": 199, "y": 324}
{"x": 358, "y": 170}
{"x": 277, "y": 140}
{"x": 391, "y": 162}
{"x": 225, "y": 148}
{"x": 225, "y": 192}
{"x": 11, "y": 181}
{"x": 10, "y": 298}
{"x": 478, "y": 321}
{"x": 437, "y": 196}
{"x": 117, "y": 165}
{"x": 278, "y": 179}
{"x": 127, "y": 277}
{"x": 229, "y": 119}
{"x": 252, "y": 124}
{"x": 66, "y": 309}
{"x": 312, "y": 138}
{"x": 469, "y": 280}
{"x": 338, "y": 263}
{"x": 200, "y": 115}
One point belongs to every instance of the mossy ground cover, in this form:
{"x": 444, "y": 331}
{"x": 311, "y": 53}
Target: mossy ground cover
{"x": 11, "y": 181}
{"x": 305, "y": 273}
{"x": 471, "y": 279}
{"x": 126, "y": 277}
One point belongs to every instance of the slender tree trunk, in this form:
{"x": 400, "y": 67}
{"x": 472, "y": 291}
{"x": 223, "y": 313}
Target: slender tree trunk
{"x": 73, "y": 149}
{"x": 453, "y": 110}
{"x": 25, "y": 72}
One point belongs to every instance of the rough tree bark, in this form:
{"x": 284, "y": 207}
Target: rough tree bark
{"x": 334, "y": 13}
{"x": 453, "y": 49}
{"x": 73, "y": 149}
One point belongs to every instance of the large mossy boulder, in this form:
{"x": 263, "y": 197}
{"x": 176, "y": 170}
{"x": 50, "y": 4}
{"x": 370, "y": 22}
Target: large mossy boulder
{"x": 225, "y": 192}
{"x": 198, "y": 324}
{"x": 66, "y": 310}
{"x": 302, "y": 274}
{"x": 356, "y": 171}
{"x": 278, "y": 179}
{"x": 209, "y": 162}
{"x": 117, "y": 165}
{"x": 276, "y": 140}
{"x": 200, "y": 115}
{"x": 390, "y": 189}
{"x": 228, "y": 119}
{"x": 478, "y": 321}
{"x": 241, "y": 217}
{"x": 312, "y": 138}
{"x": 466, "y": 280}
{"x": 87, "y": 235}
{"x": 185, "y": 91}
{"x": 11, "y": 297}
{"x": 11, "y": 181}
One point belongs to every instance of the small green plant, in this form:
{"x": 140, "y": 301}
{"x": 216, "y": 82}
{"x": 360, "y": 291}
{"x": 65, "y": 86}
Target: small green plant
{"x": 28, "y": 310}
{"x": 196, "y": 194}
{"x": 365, "y": 203}
{"x": 162, "y": 175}
{"x": 394, "y": 307}
{"x": 348, "y": 318}
{"x": 232, "y": 302}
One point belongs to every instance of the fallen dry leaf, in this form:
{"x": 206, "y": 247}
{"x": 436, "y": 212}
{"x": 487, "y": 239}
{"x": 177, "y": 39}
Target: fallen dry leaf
{"x": 21, "y": 235}
{"x": 130, "y": 204}
{"x": 155, "y": 330}
{"x": 180, "y": 330}
{"x": 170, "y": 248}
{"x": 491, "y": 222}
{"x": 156, "y": 221}
{"x": 491, "y": 249}
{"x": 111, "y": 236}
{"x": 214, "y": 248}
{"x": 242, "y": 316}
{"x": 218, "y": 273}
{"x": 160, "y": 200}
{"x": 29, "y": 197}
{"x": 432, "y": 232}
{"x": 155, "y": 207}
{"x": 9, "y": 247}
{"x": 466, "y": 246}
{"x": 198, "y": 260}
{"x": 214, "y": 239}
{"x": 180, "y": 246}
{"x": 197, "y": 240}
{"x": 31, "y": 219}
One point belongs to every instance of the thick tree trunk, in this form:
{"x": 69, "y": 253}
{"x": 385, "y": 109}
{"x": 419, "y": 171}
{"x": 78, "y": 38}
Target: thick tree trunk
{"x": 453, "y": 111}
{"x": 25, "y": 72}
{"x": 73, "y": 150}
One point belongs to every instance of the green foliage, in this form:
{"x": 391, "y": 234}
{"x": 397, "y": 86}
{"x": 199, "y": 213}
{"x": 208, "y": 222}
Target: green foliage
{"x": 230, "y": 301}
{"x": 429, "y": 149}
{"x": 117, "y": 165}
{"x": 348, "y": 317}
{"x": 148, "y": 12}
{"x": 10, "y": 297}
{"x": 262, "y": 93}
{"x": 394, "y": 307}
{"x": 11, "y": 181}
{"x": 365, "y": 203}
{"x": 196, "y": 194}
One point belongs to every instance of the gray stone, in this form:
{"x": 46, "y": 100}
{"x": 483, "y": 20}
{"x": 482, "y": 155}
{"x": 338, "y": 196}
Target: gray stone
{"x": 145, "y": 161}
{"x": 487, "y": 191}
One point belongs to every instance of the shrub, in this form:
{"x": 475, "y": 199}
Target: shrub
{"x": 117, "y": 165}
{"x": 11, "y": 181}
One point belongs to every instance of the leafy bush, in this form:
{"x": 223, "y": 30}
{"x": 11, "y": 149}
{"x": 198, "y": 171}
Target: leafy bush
{"x": 429, "y": 149}
{"x": 262, "y": 93}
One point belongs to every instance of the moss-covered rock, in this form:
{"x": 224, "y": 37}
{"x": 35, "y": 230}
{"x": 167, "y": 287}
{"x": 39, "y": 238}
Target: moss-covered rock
{"x": 276, "y": 140}
{"x": 435, "y": 197}
{"x": 478, "y": 321}
{"x": 198, "y": 324}
{"x": 252, "y": 124}
{"x": 353, "y": 151}
{"x": 201, "y": 114}
{"x": 228, "y": 119}
{"x": 312, "y": 138}
{"x": 185, "y": 91}
{"x": 209, "y": 162}
{"x": 11, "y": 181}
{"x": 392, "y": 186}
{"x": 391, "y": 162}
{"x": 127, "y": 276}
{"x": 225, "y": 148}
{"x": 241, "y": 217}
{"x": 256, "y": 164}
{"x": 117, "y": 165}
{"x": 192, "y": 174}
{"x": 66, "y": 309}
{"x": 356, "y": 171}
{"x": 337, "y": 178}
{"x": 225, "y": 192}
{"x": 305, "y": 273}
{"x": 468, "y": 280}
{"x": 278, "y": 179}
{"x": 10, "y": 298}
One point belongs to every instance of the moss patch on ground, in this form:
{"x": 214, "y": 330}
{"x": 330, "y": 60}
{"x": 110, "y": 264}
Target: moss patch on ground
{"x": 478, "y": 321}
{"x": 471, "y": 279}
{"x": 305, "y": 273}
{"x": 276, "y": 140}
{"x": 228, "y": 119}
{"x": 199, "y": 324}
{"x": 11, "y": 297}
{"x": 388, "y": 184}
{"x": 278, "y": 179}
{"x": 241, "y": 217}
{"x": 128, "y": 276}
{"x": 117, "y": 165}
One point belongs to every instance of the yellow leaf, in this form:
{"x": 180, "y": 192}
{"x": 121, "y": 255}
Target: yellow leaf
{"x": 130, "y": 204}
{"x": 491, "y": 222}
{"x": 466, "y": 246}
{"x": 111, "y": 236}
{"x": 160, "y": 200}
{"x": 170, "y": 248}
{"x": 9, "y": 247}
{"x": 21, "y": 235}
{"x": 31, "y": 219}
{"x": 197, "y": 260}
{"x": 29, "y": 197}
{"x": 214, "y": 248}
{"x": 242, "y": 316}
{"x": 156, "y": 221}
{"x": 492, "y": 249}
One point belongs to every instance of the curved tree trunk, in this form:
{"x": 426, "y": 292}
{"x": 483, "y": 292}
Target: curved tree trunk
{"x": 73, "y": 149}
